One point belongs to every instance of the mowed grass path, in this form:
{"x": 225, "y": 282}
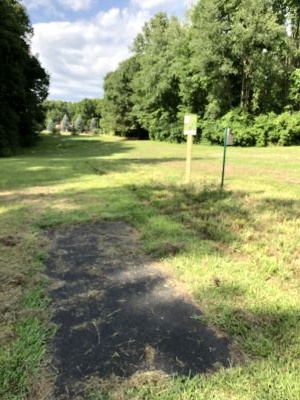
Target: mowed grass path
{"x": 237, "y": 251}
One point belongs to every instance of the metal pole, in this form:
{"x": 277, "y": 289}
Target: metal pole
{"x": 224, "y": 156}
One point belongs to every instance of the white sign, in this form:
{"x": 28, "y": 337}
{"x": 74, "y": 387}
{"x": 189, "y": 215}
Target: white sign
{"x": 190, "y": 124}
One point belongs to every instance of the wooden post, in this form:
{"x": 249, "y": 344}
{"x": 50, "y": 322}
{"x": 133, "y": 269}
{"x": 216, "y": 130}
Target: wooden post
{"x": 188, "y": 158}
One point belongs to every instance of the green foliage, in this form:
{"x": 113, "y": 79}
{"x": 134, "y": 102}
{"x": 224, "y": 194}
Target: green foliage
{"x": 88, "y": 109}
{"x": 55, "y": 110}
{"x": 118, "y": 115}
{"x": 295, "y": 89}
{"x": 238, "y": 120}
{"x": 157, "y": 99}
{"x": 235, "y": 46}
{"x": 287, "y": 129}
{"x": 93, "y": 124}
{"x": 263, "y": 130}
{"x": 233, "y": 61}
{"x": 282, "y": 129}
{"x": 23, "y": 82}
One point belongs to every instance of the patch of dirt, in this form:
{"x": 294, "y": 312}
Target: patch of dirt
{"x": 118, "y": 313}
{"x": 9, "y": 241}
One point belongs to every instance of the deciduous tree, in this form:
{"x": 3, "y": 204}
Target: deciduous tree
{"x": 23, "y": 82}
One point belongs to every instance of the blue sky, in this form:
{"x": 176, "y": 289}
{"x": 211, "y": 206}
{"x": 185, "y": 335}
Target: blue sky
{"x": 79, "y": 41}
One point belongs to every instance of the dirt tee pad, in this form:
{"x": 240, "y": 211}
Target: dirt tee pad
{"x": 118, "y": 313}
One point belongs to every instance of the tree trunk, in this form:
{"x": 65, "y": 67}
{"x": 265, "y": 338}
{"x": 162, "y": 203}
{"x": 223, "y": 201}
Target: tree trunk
{"x": 242, "y": 96}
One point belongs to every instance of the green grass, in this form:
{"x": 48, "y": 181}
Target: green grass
{"x": 237, "y": 251}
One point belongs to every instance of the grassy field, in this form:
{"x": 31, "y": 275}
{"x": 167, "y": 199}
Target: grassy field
{"x": 236, "y": 250}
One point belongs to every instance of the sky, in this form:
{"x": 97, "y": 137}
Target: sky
{"x": 79, "y": 41}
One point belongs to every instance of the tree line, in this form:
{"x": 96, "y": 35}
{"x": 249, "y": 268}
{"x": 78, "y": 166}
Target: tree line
{"x": 23, "y": 82}
{"x": 74, "y": 117}
{"x": 235, "y": 63}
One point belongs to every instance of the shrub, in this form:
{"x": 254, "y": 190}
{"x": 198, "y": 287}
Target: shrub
{"x": 237, "y": 120}
{"x": 166, "y": 128}
{"x": 240, "y": 122}
{"x": 212, "y": 131}
{"x": 287, "y": 129}
{"x": 263, "y": 127}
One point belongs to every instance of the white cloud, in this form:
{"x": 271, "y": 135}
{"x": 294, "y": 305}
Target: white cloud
{"x": 189, "y": 3}
{"x": 54, "y": 5}
{"x": 34, "y": 4}
{"x": 49, "y": 6}
{"x": 148, "y": 4}
{"x": 79, "y": 54}
{"x": 76, "y": 5}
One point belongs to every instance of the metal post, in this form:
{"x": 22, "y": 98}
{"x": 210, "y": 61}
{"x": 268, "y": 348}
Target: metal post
{"x": 226, "y": 131}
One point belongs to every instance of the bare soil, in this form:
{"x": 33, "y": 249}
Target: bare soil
{"x": 118, "y": 313}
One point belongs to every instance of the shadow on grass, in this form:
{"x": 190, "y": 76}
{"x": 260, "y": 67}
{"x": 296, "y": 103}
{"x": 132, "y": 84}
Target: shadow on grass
{"x": 61, "y": 159}
{"x": 214, "y": 217}
{"x": 262, "y": 331}
{"x": 208, "y": 214}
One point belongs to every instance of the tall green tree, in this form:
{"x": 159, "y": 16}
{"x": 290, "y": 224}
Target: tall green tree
{"x": 289, "y": 12}
{"x": 87, "y": 108}
{"x": 79, "y": 124}
{"x": 234, "y": 61}
{"x": 23, "y": 82}
{"x": 118, "y": 115}
{"x": 156, "y": 86}
{"x": 65, "y": 123}
{"x": 295, "y": 90}
{"x": 56, "y": 109}
{"x": 93, "y": 124}
{"x": 50, "y": 126}
{"x": 240, "y": 48}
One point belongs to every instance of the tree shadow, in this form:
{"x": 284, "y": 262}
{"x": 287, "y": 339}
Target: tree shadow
{"x": 61, "y": 159}
{"x": 214, "y": 217}
{"x": 262, "y": 331}
{"x": 207, "y": 215}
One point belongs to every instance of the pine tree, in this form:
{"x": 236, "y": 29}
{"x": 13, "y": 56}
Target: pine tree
{"x": 65, "y": 124}
{"x": 50, "y": 125}
{"x": 93, "y": 124}
{"x": 79, "y": 124}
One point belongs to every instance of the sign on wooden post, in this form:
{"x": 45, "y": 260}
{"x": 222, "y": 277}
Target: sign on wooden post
{"x": 190, "y": 124}
{"x": 190, "y": 129}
